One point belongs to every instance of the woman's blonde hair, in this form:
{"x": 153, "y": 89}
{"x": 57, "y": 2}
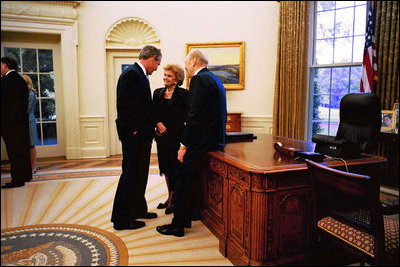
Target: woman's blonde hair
{"x": 178, "y": 71}
{"x": 29, "y": 82}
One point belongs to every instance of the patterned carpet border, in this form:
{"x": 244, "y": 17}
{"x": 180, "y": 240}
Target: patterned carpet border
{"x": 62, "y": 244}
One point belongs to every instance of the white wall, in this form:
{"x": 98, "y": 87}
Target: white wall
{"x": 178, "y": 23}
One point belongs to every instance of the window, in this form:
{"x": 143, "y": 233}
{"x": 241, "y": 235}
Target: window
{"x": 38, "y": 65}
{"x": 338, "y": 46}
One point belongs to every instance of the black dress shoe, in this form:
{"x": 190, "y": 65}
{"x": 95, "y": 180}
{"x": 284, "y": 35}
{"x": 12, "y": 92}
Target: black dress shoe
{"x": 161, "y": 206}
{"x": 131, "y": 225}
{"x": 149, "y": 215}
{"x": 188, "y": 224}
{"x": 169, "y": 210}
{"x": 11, "y": 185}
{"x": 170, "y": 230}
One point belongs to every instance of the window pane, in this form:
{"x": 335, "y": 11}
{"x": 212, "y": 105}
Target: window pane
{"x": 323, "y": 107}
{"x": 13, "y": 52}
{"x": 334, "y": 114}
{"x": 340, "y": 4}
{"x": 48, "y": 109}
{"x": 325, "y": 23}
{"x": 325, "y": 5}
{"x": 335, "y": 103}
{"x": 340, "y": 82}
{"x": 125, "y": 66}
{"x": 49, "y": 134}
{"x": 343, "y": 50}
{"x": 316, "y": 110}
{"x": 333, "y": 127}
{"x": 47, "y": 85}
{"x": 359, "y": 21}
{"x": 355, "y": 78}
{"x": 324, "y": 51}
{"x": 344, "y": 22}
{"x": 29, "y": 63}
{"x": 320, "y": 127}
{"x": 46, "y": 60}
{"x": 316, "y": 129}
{"x": 358, "y": 48}
{"x": 39, "y": 135}
{"x": 358, "y": 3}
{"x": 322, "y": 80}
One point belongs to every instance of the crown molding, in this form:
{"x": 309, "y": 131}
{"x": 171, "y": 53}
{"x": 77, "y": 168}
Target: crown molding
{"x": 42, "y": 9}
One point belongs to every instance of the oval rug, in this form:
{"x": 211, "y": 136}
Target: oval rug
{"x": 61, "y": 244}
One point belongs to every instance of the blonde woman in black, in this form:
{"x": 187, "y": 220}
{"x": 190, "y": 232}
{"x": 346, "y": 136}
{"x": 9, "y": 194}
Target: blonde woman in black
{"x": 169, "y": 111}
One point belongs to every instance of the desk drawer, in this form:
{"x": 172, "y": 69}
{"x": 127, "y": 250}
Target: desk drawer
{"x": 233, "y": 122}
{"x": 233, "y": 127}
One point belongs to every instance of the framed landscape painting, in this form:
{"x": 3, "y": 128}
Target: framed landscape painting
{"x": 225, "y": 60}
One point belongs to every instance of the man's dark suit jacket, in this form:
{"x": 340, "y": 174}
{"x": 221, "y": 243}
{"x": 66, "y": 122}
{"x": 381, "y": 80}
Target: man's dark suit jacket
{"x": 206, "y": 118}
{"x": 134, "y": 104}
{"x": 14, "y": 102}
{"x": 134, "y": 113}
{"x": 15, "y": 125}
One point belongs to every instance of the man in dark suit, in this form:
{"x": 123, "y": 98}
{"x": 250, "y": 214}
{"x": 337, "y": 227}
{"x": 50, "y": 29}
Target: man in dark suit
{"x": 204, "y": 131}
{"x": 135, "y": 128}
{"x": 15, "y": 122}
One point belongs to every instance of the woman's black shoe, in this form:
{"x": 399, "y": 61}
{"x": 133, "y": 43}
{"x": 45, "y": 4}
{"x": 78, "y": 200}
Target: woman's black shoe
{"x": 169, "y": 210}
{"x": 161, "y": 206}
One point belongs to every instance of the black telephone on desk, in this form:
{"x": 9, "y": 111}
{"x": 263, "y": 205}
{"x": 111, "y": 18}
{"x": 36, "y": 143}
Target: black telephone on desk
{"x": 285, "y": 151}
{"x": 297, "y": 153}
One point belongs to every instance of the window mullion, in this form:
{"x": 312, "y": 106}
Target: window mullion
{"x": 40, "y": 98}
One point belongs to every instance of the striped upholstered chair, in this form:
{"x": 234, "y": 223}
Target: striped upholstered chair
{"x": 348, "y": 212}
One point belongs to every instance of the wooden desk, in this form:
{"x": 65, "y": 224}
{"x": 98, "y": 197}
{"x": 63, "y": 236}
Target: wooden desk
{"x": 258, "y": 203}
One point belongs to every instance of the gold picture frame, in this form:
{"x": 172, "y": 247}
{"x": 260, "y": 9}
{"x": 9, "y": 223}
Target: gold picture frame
{"x": 388, "y": 120}
{"x": 396, "y": 106}
{"x": 396, "y": 112}
{"x": 226, "y": 61}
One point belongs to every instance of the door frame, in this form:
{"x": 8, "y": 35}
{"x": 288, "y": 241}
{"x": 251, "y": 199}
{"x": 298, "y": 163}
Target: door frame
{"x": 43, "y": 151}
{"x": 112, "y": 55}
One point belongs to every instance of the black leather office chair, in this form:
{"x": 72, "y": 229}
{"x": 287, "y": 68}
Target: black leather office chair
{"x": 360, "y": 123}
{"x": 348, "y": 213}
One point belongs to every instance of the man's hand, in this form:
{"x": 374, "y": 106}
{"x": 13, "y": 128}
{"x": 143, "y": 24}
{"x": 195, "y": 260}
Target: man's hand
{"x": 181, "y": 153}
{"x": 161, "y": 128}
